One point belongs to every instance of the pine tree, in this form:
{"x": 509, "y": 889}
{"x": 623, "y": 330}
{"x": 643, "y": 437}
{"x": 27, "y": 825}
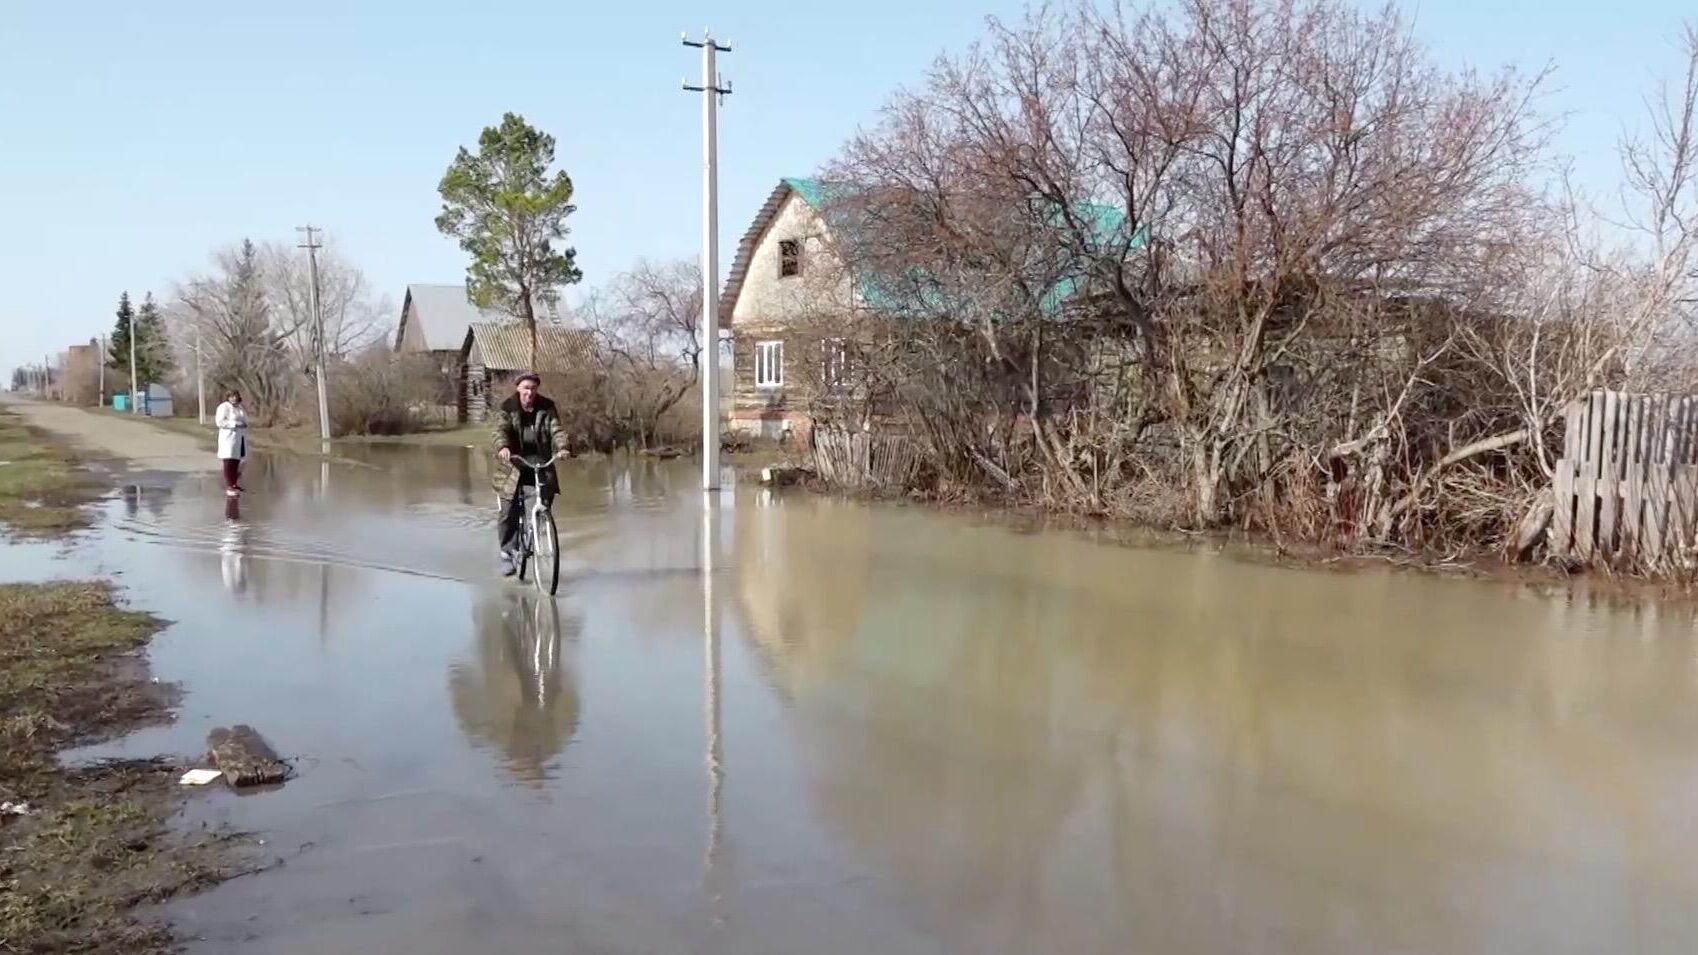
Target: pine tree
{"x": 153, "y": 351}
{"x": 118, "y": 357}
{"x": 153, "y": 348}
{"x": 509, "y": 210}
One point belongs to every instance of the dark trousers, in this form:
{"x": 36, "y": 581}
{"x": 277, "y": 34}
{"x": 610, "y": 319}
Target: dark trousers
{"x": 510, "y": 511}
{"x": 232, "y": 471}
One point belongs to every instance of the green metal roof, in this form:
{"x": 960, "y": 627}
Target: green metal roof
{"x": 1105, "y": 224}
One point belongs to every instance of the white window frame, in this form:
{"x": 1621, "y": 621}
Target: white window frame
{"x": 769, "y": 363}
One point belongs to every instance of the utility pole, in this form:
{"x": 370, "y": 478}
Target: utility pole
{"x": 135, "y": 401}
{"x": 200, "y": 376}
{"x": 102, "y": 357}
{"x": 712, "y": 92}
{"x": 312, "y": 245}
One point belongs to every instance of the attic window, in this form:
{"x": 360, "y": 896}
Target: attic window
{"x": 789, "y": 258}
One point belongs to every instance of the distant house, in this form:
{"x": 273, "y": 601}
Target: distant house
{"x": 435, "y": 320}
{"x": 493, "y": 354}
{"x": 785, "y": 272}
{"x": 80, "y": 374}
{"x": 795, "y": 312}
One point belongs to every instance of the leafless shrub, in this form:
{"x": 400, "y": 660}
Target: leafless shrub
{"x": 376, "y": 393}
{"x": 1267, "y": 251}
{"x": 639, "y": 389}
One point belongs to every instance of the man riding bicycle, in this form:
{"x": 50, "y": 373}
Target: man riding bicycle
{"x": 527, "y": 426}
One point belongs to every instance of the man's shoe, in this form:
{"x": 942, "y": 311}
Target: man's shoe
{"x": 508, "y": 567}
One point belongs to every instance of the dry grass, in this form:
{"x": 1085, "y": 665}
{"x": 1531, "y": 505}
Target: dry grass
{"x": 94, "y": 842}
{"x": 41, "y": 489}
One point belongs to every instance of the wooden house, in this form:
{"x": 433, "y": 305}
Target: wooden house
{"x": 785, "y": 280}
{"x": 493, "y": 354}
{"x": 435, "y": 320}
{"x": 796, "y": 313}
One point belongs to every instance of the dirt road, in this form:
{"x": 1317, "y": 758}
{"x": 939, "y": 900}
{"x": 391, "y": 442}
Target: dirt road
{"x": 143, "y": 446}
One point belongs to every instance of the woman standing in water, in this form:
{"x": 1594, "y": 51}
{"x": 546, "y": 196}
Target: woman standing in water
{"x": 232, "y": 421}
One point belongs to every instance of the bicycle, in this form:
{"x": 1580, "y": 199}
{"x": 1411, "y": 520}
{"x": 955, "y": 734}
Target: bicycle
{"x": 538, "y": 537}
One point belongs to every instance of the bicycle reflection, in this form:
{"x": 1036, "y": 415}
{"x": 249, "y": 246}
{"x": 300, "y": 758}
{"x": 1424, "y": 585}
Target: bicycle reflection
{"x": 519, "y": 695}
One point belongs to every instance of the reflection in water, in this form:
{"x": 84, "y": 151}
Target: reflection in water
{"x": 712, "y": 862}
{"x": 1050, "y": 746}
{"x": 517, "y": 695}
{"x": 233, "y": 548}
{"x": 947, "y": 737}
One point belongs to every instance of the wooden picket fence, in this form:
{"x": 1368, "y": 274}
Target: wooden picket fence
{"x": 1626, "y": 488}
{"x": 864, "y": 460}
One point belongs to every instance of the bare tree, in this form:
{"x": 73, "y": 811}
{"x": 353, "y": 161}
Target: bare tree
{"x": 354, "y": 315}
{"x": 244, "y": 342}
{"x": 645, "y": 324}
{"x": 1266, "y": 252}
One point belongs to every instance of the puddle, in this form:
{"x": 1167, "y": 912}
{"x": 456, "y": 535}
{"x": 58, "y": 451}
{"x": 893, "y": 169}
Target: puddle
{"x": 788, "y": 724}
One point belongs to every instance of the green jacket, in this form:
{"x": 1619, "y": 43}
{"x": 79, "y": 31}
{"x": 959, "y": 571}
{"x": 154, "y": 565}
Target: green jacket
{"x": 504, "y": 432}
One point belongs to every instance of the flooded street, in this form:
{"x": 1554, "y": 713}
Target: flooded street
{"x": 789, "y": 723}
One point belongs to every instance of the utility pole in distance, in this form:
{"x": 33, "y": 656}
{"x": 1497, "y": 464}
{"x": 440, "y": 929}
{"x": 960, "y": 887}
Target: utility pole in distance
{"x": 135, "y": 403}
{"x": 712, "y": 91}
{"x": 200, "y": 376}
{"x": 312, "y": 245}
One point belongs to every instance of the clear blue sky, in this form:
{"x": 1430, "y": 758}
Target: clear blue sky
{"x": 136, "y": 137}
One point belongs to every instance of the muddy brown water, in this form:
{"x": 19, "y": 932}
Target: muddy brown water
{"x": 785, "y": 723}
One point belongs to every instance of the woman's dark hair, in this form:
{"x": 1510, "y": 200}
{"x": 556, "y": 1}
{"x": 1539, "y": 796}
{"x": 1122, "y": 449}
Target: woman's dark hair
{"x": 232, "y": 393}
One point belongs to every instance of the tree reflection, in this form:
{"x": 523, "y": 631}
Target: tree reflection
{"x": 1053, "y": 746}
{"x": 520, "y": 694}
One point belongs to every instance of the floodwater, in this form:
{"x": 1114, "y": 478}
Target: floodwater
{"x": 784, "y": 723}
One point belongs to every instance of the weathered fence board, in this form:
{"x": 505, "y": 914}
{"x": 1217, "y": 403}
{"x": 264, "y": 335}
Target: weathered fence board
{"x": 1626, "y": 487}
{"x": 864, "y": 460}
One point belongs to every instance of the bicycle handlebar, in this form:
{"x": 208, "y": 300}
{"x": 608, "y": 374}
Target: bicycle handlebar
{"x": 534, "y": 465}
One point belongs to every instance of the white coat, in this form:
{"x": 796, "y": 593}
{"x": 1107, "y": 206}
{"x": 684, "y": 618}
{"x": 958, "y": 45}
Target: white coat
{"x": 232, "y": 422}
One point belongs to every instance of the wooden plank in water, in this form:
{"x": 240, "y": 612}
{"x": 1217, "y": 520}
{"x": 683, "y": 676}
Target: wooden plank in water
{"x": 245, "y": 758}
{"x": 1653, "y": 483}
{"x": 1609, "y": 487}
{"x": 1561, "y": 542}
{"x": 1632, "y": 478}
{"x": 1656, "y": 514}
{"x": 1586, "y": 480}
{"x": 1683, "y": 514}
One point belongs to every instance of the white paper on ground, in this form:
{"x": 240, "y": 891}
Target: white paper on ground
{"x": 199, "y": 777}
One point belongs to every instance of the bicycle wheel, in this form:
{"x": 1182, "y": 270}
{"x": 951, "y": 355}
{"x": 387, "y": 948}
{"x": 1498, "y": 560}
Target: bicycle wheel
{"x": 547, "y": 546}
{"x": 522, "y": 553}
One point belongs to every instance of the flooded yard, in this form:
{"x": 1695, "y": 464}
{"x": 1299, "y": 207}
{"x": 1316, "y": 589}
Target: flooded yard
{"x": 786, "y": 723}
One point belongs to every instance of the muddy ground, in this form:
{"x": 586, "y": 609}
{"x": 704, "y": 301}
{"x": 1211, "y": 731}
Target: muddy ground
{"x": 82, "y": 845}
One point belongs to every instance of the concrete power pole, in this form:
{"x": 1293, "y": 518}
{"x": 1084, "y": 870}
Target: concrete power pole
{"x": 712, "y": 91}
{"x": 200, "y": 377}
{"x": 312, "y": 246}
{"x": 102, "y": 357}
{"x": 135, "y": 402}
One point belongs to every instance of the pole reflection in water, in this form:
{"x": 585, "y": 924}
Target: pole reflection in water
{"x": 324, "y": 566}
{"x": 711, "y": 874}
